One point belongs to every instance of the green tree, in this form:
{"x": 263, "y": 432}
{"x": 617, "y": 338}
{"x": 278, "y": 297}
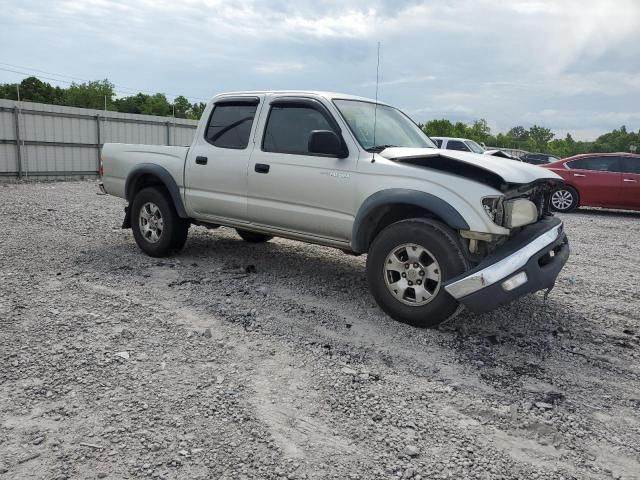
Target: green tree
{"x": 9, "y": 91}
{"x": 618, "y": 140}
{"x": 182, "y": 107}
{"x": 196, "y": 110}
{"x": 438, "y": 128}
{"x": 518, "y": 133}
{"x": 130, "y": 104}
{"x": 157, "y": 104}
{"x": 539, "y": 137}
{"x": 90, "y": 95}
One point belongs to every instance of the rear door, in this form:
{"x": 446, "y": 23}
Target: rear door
{"x": 631, "y": 181}
{"x": 292, "y": 189}
{"x": 217, "y": 163}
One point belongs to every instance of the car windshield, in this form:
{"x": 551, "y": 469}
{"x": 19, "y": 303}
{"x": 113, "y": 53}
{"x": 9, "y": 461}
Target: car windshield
{"x": 474, "y": 146}
{"x": 392, "y": 127}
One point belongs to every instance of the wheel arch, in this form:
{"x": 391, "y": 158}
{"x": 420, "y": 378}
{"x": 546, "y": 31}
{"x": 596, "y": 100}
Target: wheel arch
{"x": 148, "y": 175}
{"x": 389, "y": 206}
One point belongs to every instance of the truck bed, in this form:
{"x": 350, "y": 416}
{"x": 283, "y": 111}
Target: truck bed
{"x": 118, "y": 159}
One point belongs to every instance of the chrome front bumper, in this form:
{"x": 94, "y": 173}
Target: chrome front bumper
{"x": 529, "y": 262}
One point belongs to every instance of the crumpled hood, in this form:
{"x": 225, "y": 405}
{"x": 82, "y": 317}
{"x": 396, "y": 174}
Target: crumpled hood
{"x": 509, "y": 170}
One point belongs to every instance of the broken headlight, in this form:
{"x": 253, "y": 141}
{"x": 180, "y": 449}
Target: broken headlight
{"x": 493, "y": 207}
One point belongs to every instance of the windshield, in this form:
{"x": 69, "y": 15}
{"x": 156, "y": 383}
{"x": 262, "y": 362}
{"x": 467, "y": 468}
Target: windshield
{"x": 392, "y": 127}
{"x": 474, "y": 146}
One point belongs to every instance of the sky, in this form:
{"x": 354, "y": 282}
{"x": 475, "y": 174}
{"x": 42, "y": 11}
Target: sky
{"x": 570, "y": 65}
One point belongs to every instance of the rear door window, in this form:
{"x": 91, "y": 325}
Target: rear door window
{"x": 631, "y": 165}
{"x": 230, "y": 124}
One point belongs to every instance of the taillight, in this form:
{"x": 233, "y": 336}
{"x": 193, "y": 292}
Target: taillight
{"x": 101, "y": 167}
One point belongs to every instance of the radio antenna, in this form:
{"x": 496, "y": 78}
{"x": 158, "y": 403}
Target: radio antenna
{"x": 375, "y": 108}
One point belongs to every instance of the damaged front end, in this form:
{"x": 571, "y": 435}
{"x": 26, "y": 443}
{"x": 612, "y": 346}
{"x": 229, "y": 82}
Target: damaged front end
{"x": 504, "y": 266}
{"x": 524, "y": 192}
{"x": 519, "y": 206}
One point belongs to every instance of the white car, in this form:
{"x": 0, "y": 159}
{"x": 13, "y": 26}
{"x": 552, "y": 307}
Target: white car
{"x": 442, "y": 229}
{"x": 466, "y": 145}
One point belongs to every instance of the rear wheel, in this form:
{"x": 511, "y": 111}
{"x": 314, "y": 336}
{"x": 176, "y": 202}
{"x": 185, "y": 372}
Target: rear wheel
{"x": 407, "y": 266}
{"x": 157, "y": 228}
{"x": 253, "y": 237}
{"x": 564, "y": 199}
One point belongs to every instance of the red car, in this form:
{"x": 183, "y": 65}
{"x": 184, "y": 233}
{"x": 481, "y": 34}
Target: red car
{"x": 610, "y": 180}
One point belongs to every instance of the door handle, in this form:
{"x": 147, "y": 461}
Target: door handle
{"x": 629, "y": 180}
{"x": 262, "y": 168}
{"x": 201, "y": 160}
{"x": 578, "y": 175}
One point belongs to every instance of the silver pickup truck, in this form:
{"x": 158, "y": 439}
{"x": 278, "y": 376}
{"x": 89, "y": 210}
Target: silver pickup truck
{"x": 442, "y": 229}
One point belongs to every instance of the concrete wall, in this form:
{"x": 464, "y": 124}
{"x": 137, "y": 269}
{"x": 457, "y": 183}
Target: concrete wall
{"x": 39, "y": 140}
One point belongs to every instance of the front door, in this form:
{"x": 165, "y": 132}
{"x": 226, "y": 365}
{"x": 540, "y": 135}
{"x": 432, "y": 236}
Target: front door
{"x": 295, "y": 190}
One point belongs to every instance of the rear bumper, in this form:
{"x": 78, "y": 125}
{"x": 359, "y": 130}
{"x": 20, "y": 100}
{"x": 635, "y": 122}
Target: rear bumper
{"x": 101, "y": 187}
{"x": 530, "y": 261}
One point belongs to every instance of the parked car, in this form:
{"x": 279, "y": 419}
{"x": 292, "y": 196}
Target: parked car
{"x": 466, "y": 145}
{"x": 442, "y": 229}
{"x": 609, "y": 180}
{"x": 538, "y": 158}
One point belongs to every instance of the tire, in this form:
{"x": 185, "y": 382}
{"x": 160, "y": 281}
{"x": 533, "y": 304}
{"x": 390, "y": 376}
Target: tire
{"x": 154, "y": 237}
{"x": 253, "y": 237}
{"x": 438, "y": 243}
{"x": 565, "y": 199}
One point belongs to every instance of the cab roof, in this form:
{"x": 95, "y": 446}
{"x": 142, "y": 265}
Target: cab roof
{"x": 313, "y": 93}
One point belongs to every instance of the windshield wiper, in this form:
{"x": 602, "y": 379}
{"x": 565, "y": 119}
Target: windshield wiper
{"x": 379, "y": 148}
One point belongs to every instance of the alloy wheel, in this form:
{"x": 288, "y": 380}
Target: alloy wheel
{"x": 562, "y": 199}
{"x": 412, "y": 274}
{"x": 151, "y": 222}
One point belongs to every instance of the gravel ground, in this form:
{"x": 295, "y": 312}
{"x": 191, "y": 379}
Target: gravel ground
{"x": 269, "y": 361}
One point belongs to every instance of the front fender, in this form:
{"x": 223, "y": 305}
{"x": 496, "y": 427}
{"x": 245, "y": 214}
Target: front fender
{"x": 363, "y": 226}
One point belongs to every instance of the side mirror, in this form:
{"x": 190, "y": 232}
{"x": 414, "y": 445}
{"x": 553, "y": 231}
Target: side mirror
{"x": 325, "y": 142}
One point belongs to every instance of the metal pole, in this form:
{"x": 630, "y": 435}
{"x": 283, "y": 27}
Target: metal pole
{"x": 98, "y": 141}
{"x": 168, "y": 133}
{"x": 16, "y": 116}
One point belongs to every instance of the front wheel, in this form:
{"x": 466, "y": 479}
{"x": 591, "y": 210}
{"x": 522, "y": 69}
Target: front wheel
{"x": 564, "y": 199}
{"x": 407, "y": 266}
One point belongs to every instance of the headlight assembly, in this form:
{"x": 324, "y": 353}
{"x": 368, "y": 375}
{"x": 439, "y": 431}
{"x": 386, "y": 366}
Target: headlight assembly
{"x": 519, "y": 212}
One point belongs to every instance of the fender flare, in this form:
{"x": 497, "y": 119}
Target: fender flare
{"x": 362, "y": 229}
{"x": 164, "y": 176}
